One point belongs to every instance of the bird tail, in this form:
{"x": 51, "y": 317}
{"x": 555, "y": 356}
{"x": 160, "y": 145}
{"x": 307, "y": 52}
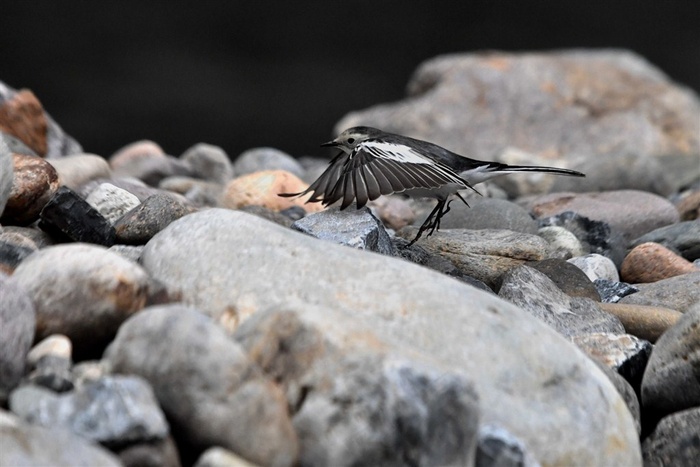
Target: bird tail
{"x": 539, "y": 169}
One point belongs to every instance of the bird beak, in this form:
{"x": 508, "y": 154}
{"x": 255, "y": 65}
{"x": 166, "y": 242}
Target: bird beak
{"x": 330, "y": 144}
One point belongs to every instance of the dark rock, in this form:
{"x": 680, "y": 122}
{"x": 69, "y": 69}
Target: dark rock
{"x": 52, "y": 372}
{"x": 675, "y": 441}
{"x": 139, "y": 225}
{"x": 499, "y": 448}
{"x": 682, "y": 238}
{"x": 570, "y": 279}
{"x": 355, "y": 228}
{"x": 488, "y": 213}
{"x": 68, "y": 216}
{"x": 209, "y": 163}
{"x": 613, "y": 291}
{"x": 34, "y": 183}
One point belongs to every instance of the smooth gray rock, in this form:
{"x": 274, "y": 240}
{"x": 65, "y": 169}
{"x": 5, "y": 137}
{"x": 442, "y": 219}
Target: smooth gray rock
{"x": 141, "y": 223}
{"x": 29, "y": 445}
{"x": 675, "y": 441}
{"x": 258, "y": 159}
{"x": 151, "y": 169}
{"x": 677, "y": 293}
{"x": 113, "y": 411}
{"x": 549, "y": 395}
{"x": 536, "y": 294}
{"x": 596, "y": 267}
{"x": 567, "y": 277}
{"x": 215, "y": 396}
{"x": 76, "y": 170}
{"x": 612, "y": 291}
{"x": 357, "y": 228}
{"x": 17, "y": 324}
{"x": 82, "y": 291}
{"x": 6, "y": 172}
{"x": 671, "y": 378}
{"x": 488, "y": 213}
{"x": 562, "y": 243}
{"x": 683, "y": 237}
{"x": 628, "y": 393}
{"x": 209, "y": 162}
{"x": 111, "y": 201}
{"x": 52, "y": 372}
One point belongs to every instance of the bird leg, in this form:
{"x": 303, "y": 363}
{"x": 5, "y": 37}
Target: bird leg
{"x": 432, "y": 222}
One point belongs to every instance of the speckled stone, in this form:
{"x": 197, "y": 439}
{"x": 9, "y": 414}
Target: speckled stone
{"x": 651, "y": 262}
{"x": 34, "y": 182}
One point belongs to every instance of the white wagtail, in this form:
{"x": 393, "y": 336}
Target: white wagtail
{"x": 374, "y": 163}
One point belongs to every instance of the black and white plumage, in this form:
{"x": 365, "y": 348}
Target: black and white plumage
{"x": 374, "y": 163}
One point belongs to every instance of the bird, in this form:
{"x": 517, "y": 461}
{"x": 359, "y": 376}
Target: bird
{"x": 373, "y": 162}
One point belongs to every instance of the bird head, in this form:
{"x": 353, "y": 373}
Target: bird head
{"x": 350, "y": 138}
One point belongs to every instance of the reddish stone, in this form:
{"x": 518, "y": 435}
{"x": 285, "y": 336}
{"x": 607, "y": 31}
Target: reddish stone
{"x": 33, "y": 184}
{"x": 23, "y": 117}
{"x": 651, "y": 262}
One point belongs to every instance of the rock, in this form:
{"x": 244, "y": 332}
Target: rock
{"x": 153, "y": 453}
{"x": 112, "y": 202}
{"x": 689, "y": 206}
{"x": 214, "y": 397}
{"x": 272, "y": 216}
{"x": 52, "y": 372}
{"x": 439, "y": 317}
{"x": 132, "y": 153}
{"x": 14, "y": 248}
{"x": 562, "y": 243}
{"x": 567, "y": 277}
{"x": 113, "y": 411}
{"x": 651, "y": 262}
{"x": 266, "y": 159}
{"x": 263, "y": 189}
{"x": 624, "y": 388}
{"x": 17, "y": 324}
{"x": 355, "y": 228}
{"x": 89, "y": 371}
{"x": 623, "y": 353}
{"x": 82, "y": 291}
{"x": 670, "y": 379}
{"x": 219, "y": 457}
{"x": 645, "y": 322}
{"x": 78, "y": 169}
{"x": 37, "y": 237}
{"x": 209, "y": 162}
{"x": 678, "y": 293}
{"x": 6, "y": 174}
{"x": 482, "y": 254}
{"x": 394, "y": 211}
{"x": 198, "y": 192}
{"x": 683, "y": 238}
{"x": 56, "y": 345}
{"x": 613, "y": 291}
{"x": 133, "y": 185}
{"x": 596, "y": 267}
{"x": 30, "y": 445}
{"x": 488, "y": 213}
{"x": 499, "y": 448}
{"x": 675, "y": 441}
{"x": 67, "y": 216}
{"x": 630, "y": 212}
{"x": 140, "y": 224}
{"x": 595, "y": 236}
{"x": 16, "y": 146}
{"x": 130, "y": 252}
{"x": 592, "y": 102}
{"x": 34, "y": 183}
{"x": 146, "y": 161}
{"x": 534, "y": 293}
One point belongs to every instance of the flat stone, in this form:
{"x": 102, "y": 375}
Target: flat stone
{"x": 263, "y": 189}
{"x": 651, "y": 262}
{"x": 645, "y": 322}
{"x": 76, "y": 170}
{"x": 678, "y": 293}
{"x": 112, "y": 202}
{"x": 34, "y": 183}
{"x": 682, "y": 238}
{"x": 209, "y": 162}
{"x": 141, "y": 223}
{"x": 266, "y": 159}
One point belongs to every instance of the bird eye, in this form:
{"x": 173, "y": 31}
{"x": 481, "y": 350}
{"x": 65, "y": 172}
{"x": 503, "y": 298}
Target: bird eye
{"x": 351, "y": 140}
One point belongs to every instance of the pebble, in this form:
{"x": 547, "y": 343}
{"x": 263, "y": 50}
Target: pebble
{"x": 689, "y": 206}
{"x": 56, "y": 345}
{"x": 22, "y": 116}
{"x": 112, "y": 202}
{"x": 133, "y": 153}
{"x": 209, "y": 162}
{"x": 146, "y": 161}
{"x": 263, "y": 189}
{"x": 67, "y": 216}
{"x": 562, "y": 243}
{"x": 630, "y": 212}
{"x": 35, "y": 181}
{"x": 140, "y": 224}
{"x": 198, "y": 192}
{"x": 394, "y": 211}
{"x": 682, "y": 238}
{"x": 645, "y": 322}
{"x": 6, "y": 173}
{"x": 678, "y": 293}
{"x": 570, "y": 279}
{"x": 596, "y": 267}
{"x": 76, "y": 170}
{"x": 488, "y": 213}
{"x": 674, "y": 441}
{"x": 14, "y": 247}
{"x": 355, "y": 228}
{"x": 651, "y": 262}
{"x": 220, "y": 457}
{"x": 613, "y": 291}
{"x": 52, "y": 372}
{"x": 266, "y": 159}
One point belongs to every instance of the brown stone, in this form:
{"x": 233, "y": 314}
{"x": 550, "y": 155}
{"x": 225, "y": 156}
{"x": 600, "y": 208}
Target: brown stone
{"x": 23, "y": 117}
{"x": 263, "y": 189}
{"x": 394, "y": 211}
{"x": 134, "y": 152}
{"x": 651, "y": 262}
{"x": 645, "y": 322}
{"x": 689, "y": 206}
{"x": 33, "y": 184}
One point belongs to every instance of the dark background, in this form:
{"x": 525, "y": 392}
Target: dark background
{"x": 244, "y": 74}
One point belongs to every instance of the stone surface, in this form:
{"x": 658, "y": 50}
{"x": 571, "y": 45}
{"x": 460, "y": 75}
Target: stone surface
{"x": 272, "y": 216}
{"x": 562, "y": 243}
{"x": 35, "y": 235}
{"x": 394, "y": 211}
{"x": 596, "y": 267}
{"x": 69, "y": 217}
{"x": 263, "y": 189}
{"x": 630, "y": 212}
{"x": 209, "y": 162}
{"x": 265, "y": 159}
{"x": 671, "y": 378}
{"x": 567, "y": 277}
{"x": 645, "y": 322}
{"x": 52, "y": 372}
{"x": 219, "y": 457}
{"x": 146, "y": 161}
{"x": 675, "y": 441}
{"x": 133, "y": 185}
{"x": 112, "y": 202}
{"x": 683, "y": 238}
{"x": 132, "y": 153}
{"x": 113, "y": 411}
{"x": 626, "y": 391}
{"x": 198, "y": 192}
{"x": 499, "y": 448}
{"x": 33, "y": 184}
{"x": 156, "y": 453}
{"x": 678, "y": 293}
{"x": 130, "y": 252}
{"x": 82, "y": 291}
{"x": 488, "y": 213}
{"x": 558, "y": 395}
{"x": 651, "y": 262}
{"x": 355, "y": 228}
{"x": 140, "y": 224}
{"x": 214, "y": 397}
{"x": 14, "y": 247}
{"x": 534, "y": 293}
{"x": 482, "y": 254}
{"x": 6, "y": 174}
{"x": 592, "y": 102}
{"x": 689, "y": 206}
{"x": 30, "y": 445}
{"x": 78, "y": 169}
{"x": 613, "y": 291}
{"x": 17, "y": 324}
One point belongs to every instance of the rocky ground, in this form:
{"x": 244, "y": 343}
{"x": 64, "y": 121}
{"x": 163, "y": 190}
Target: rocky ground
{"x": 161, "y": 310}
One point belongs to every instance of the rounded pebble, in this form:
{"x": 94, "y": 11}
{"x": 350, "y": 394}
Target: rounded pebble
{"x": 263, "y": 189}
{"x": 651, "y": 262}
{"x": 596, "y": 267}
